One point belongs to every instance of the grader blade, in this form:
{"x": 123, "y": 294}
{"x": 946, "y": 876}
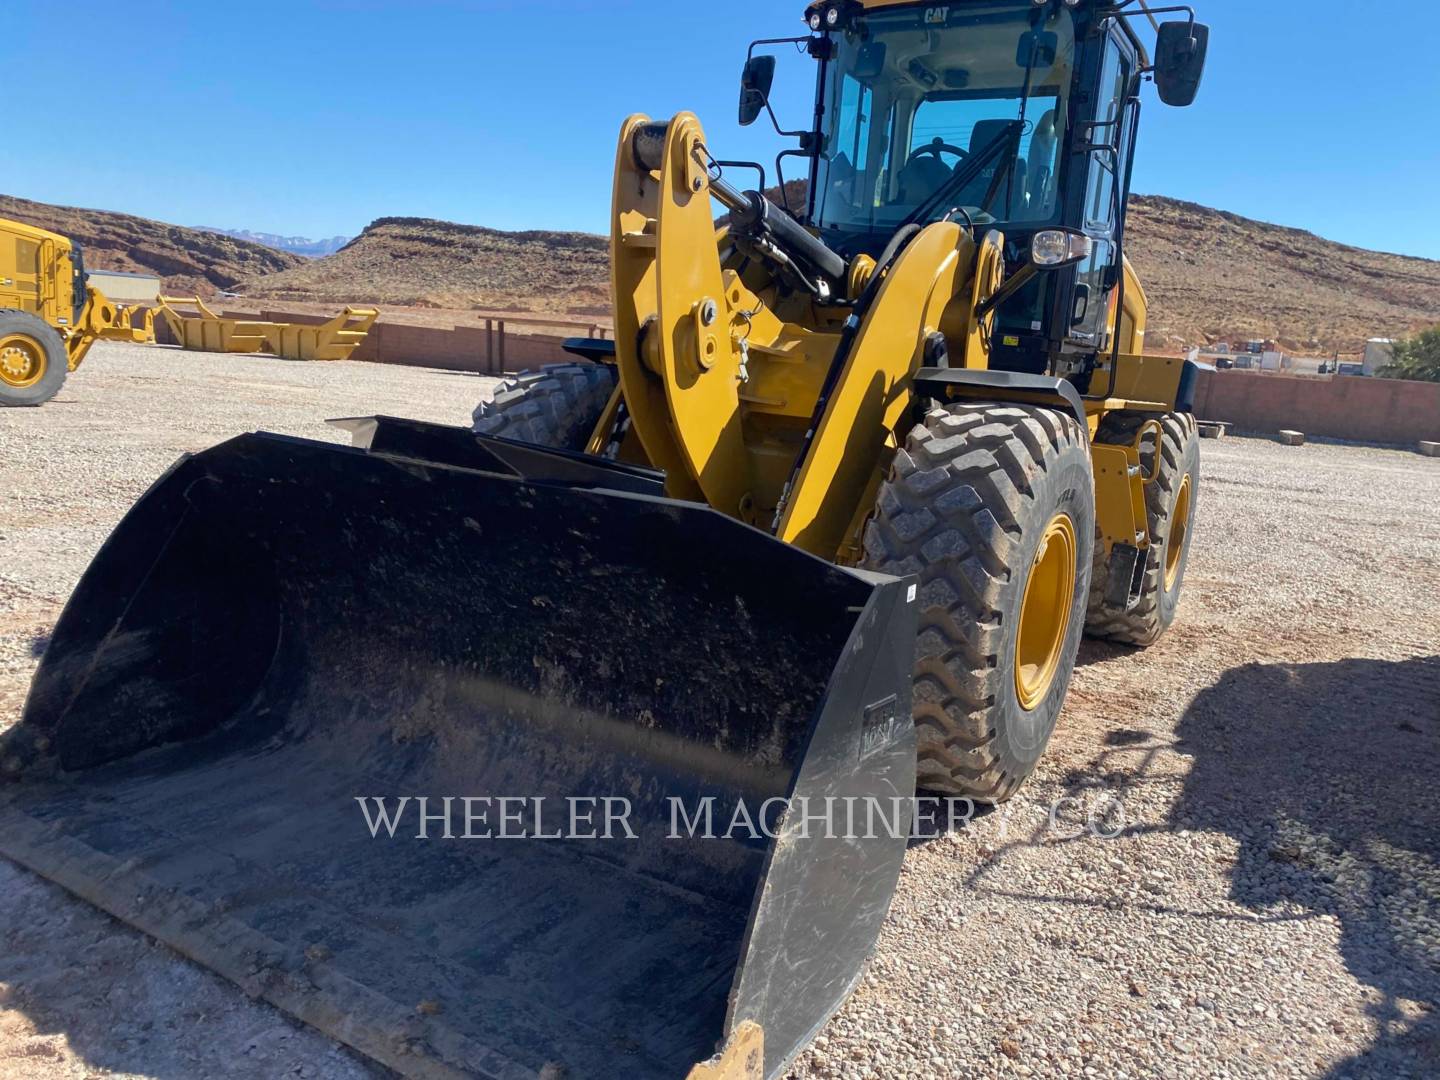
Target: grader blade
{"x": 285, "y": 638}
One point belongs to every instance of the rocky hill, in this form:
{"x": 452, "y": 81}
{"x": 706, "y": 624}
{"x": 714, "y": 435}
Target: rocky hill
{"x": 442, "y": 264}
{"x": 1215, "y": 276}
{"x": 188, "y": 261}
{"x": 1210, "y": 276}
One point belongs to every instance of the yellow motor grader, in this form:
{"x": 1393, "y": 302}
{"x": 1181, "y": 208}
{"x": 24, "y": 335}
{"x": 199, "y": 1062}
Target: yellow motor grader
{"x": 49, "y": 315}
{"x": 582, "y": 744}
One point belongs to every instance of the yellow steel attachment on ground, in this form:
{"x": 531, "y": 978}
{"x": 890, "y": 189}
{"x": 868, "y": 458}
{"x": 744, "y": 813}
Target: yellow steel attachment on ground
{"x": 208, "y": 332}
{"x": 1045, "y": 612}
{"x": 334, "y": 339}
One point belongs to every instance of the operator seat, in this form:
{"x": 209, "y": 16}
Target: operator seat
{"x": 980, "y": 137}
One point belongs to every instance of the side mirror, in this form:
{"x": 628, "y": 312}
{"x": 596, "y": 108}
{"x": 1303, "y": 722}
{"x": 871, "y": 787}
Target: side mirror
{"x": 1180, "y": 60}
{"x": 755, "y": 83}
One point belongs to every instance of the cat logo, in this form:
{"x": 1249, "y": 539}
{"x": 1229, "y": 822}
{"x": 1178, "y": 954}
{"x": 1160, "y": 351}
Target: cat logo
{"x": 937, "y": 16}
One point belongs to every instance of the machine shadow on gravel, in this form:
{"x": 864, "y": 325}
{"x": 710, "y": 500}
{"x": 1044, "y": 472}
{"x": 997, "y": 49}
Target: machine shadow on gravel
{"x": 1326, "y": 776}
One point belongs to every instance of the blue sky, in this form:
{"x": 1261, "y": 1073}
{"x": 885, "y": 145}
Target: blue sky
{"x": 314, "y": 118}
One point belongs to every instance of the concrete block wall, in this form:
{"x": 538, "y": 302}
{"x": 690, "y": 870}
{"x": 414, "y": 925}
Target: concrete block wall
{"x": 1343, "y": 407}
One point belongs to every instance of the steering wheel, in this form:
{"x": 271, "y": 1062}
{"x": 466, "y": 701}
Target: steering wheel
{"x": 938, "y": 147}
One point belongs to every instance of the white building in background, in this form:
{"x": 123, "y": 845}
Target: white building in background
{"x": 1379, "y": 352}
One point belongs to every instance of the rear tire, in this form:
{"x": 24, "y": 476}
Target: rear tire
{"x": 1176, "y": 488}
{"x": 964, "y": 509}
{"x": 33, "y": 361}
{"x": 557, "y": 406}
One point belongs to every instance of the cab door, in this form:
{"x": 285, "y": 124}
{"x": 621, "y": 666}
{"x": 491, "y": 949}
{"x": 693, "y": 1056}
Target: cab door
{"x": 1109, "y": 153}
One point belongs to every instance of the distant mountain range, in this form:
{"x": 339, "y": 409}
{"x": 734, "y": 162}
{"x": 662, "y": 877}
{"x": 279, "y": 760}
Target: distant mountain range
{"x": 296, "y": 245}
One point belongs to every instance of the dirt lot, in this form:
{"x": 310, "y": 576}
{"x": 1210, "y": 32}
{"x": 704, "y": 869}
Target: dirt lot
{"x": 1228, "y": 865}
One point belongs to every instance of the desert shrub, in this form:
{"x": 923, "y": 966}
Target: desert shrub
{"x": 1416, "y": 357}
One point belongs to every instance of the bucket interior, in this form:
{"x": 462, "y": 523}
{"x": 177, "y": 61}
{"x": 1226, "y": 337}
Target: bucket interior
{"x": 283, "y": 628}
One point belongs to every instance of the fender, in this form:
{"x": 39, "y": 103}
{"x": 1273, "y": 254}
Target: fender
{"x": 985, "y": 384}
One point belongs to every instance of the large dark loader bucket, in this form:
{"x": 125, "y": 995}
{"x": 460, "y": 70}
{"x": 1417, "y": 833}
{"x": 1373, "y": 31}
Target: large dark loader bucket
{"x": 282, "y": 632}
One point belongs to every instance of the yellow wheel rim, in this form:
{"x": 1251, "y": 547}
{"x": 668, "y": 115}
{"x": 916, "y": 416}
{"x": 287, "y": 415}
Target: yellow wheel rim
{"x": 22, "y": 361}
{"x": 1045, "y": 612}
{"x": 1179, "y": 526}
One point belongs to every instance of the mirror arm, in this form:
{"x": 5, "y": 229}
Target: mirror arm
{"x": 1190, "y": 11}
{"x": 778, "y": 129}
{"x": 1013, "y": 284}
{"x": 750, "y": 55}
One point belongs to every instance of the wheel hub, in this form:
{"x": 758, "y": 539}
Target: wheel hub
{"x": 22, "y": 361}
{"x": 1045, "y": 612}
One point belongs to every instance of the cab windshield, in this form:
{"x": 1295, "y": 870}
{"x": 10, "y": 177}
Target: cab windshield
{"x": 935, "y": 110}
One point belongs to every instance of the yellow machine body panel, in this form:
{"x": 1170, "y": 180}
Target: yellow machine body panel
{"x": 721, "y": 376}
{"x": 872, "y": 393}
{"x": 635, "y": 285}
{"x": 36, "y": 272}
{"x": 1132, "y": 319}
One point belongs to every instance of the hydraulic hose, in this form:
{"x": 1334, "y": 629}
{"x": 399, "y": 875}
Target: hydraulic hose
{"x": 750, "y": 212}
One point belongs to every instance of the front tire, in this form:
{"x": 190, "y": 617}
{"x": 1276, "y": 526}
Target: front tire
{"x": 557, "y": 406}
{"x": 33, "y": 362}
{"x": 1170, "y": 504}
{"x": 992, "y": 507}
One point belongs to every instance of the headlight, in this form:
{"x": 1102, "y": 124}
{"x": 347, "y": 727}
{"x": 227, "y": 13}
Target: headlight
{"x": 1058, "y": 247}
{"x": 832, "y": 17}
{"x": 814, "y": 20}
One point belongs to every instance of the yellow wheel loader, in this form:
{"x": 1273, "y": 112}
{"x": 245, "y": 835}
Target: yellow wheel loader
{"x": 49, "y": 316}
{"x": 583, "y": 744}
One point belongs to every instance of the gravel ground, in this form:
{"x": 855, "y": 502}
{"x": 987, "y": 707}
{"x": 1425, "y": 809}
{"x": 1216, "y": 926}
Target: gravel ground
{"x": 1226, "y": 866}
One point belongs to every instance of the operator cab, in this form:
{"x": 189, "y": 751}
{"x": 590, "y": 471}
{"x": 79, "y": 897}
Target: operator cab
{"x": 1016, "y": 115}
